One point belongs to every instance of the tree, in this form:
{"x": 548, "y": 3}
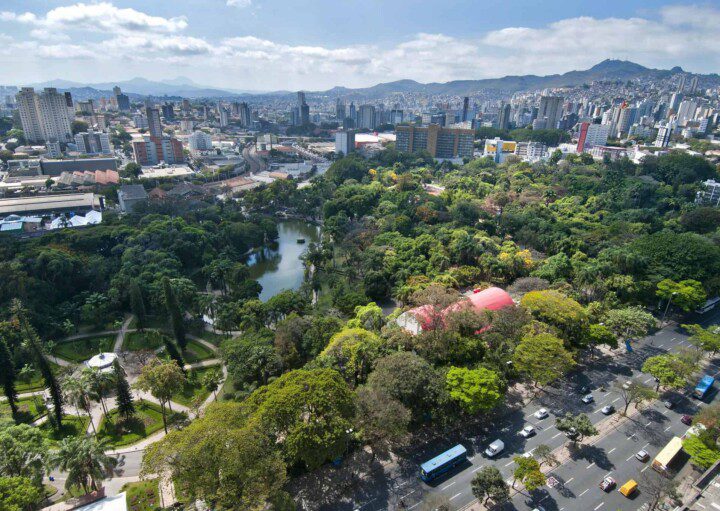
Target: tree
{"x": 251, "y": 358}
{"x": 379, "y": 418}
{"x": 600, "y": 335}
{"x": 703, "y": 452}
{"x": 489, "y": 484}
{"x": 162, "y": 380}
{"x": 352, "y": 352}
{"x": 686, "y": 294}
{"x": 474, "y": 389}
{"x": 175, "y": 314}
{"x": 578, "y": 425}
{"x": 137, "y": 304}
{"x": 630, "y": 322}
{"x": 132, "y": 169}
{"x": 124, "y": 400}
{"x": 222, "y": 459}
{"x": 369, "y": 317}
{"x": 558, "y": 310}
{"x": 85, "y": 462}
{"x": 669, "y": 370}
{"x": 8, "y": 377}
{"x": 528, "y": 472}
{"x": 32, "y": 344}
{"x": 79, "y": 127}
{"x": 211, "y": 381}
{"x": 543, "y": 358}
{"x": 170, "y": 348}
{"x": 411, "y": 380}
{"x": 19, "y": 494}
{"x": 635, "y": 393}
{"x": 24, "y": 452}
{"x": 657, "y": 488}
{"x": 544, "y": 454}
{"x": 77, "y": 393}
{"x": 706, "y": 339}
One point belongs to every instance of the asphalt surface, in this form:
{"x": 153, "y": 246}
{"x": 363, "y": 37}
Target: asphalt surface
{"x": 579, "y": 477}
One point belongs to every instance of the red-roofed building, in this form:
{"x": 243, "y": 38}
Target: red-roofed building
{"x": 423, "y": 317}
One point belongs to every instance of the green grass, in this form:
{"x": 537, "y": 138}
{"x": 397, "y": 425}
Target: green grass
{"x": 27, "y": 409}
{"x": 72, "y": 425}
{"x": 81, "y": 350}
{"x": 197, "y": 352}
{"x": 211, "y": 337}
{"x": 36, "y": 382}
{"x": 193, "y": 387}
{"x": 147, "y": 420}
{"x": 135, "y": 341}
{"x": 142, "y": 495}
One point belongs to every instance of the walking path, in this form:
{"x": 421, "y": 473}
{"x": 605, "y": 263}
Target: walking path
{"x": 120, "y": 338}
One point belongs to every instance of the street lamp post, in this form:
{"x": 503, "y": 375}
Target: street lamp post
{"x": 662, "y": 321}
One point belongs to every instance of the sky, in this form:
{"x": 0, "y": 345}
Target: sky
{"x": 317, "y": 44}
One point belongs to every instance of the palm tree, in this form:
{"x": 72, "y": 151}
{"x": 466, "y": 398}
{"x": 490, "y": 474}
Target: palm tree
{"x": 77, "y": 394}
{"x": 98, "y": 383}
{"x": 85, "y": 462}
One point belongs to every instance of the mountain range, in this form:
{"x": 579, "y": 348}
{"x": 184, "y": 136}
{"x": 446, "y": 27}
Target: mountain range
{"x": 621, "y": 70}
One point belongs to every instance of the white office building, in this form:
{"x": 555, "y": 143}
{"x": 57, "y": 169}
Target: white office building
{"x": 93, "y": 143}
{"x": 199, "y": 141}
{"x": 345, "y": 142}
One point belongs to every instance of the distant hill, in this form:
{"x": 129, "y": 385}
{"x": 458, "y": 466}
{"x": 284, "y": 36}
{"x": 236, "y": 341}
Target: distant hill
{"x": 606, "y": 70}
{"x": 182, "y": 87}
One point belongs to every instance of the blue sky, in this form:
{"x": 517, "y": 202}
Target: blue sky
{"x": 280, "y": 44}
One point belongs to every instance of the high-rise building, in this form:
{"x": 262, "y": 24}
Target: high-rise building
{"x": 550, "y": 110}
{"x": 694, "y": 84}
{"x": 397, "y": 116}
{"x": 681, "y": 84}
{"x": 592, "y": 135}
{"x": 366, "y": 117}
{"x": 339, "y": 109}
{"x": 466, "y": 108}
{"x": 686, "y": 111}
{"x": 224, "y": 117}
{"x": 625, "y": 120}
{"x": 504, "y": 116}
{"x": 675, "y": 100}
{"x": 199, "y": 141}
{"x": 439, "y": 142}
{"x": 168, "y": 112}
{"x": 123, "y": 102}
{"x": 93, "y": 142}
{"x": 345, "y": 142}
{"x": 244, "y": 114}
{"x": 44, "y": 116}
{"x": 352, "y": 113}
{"x": 152, "y": 150}
{"x": 154, "y": 124}
{"x": 185, "y": 105}
{"x": 140, "y": 121}
{"x": 665, "y": 131}
{"x": 302, "y": 116}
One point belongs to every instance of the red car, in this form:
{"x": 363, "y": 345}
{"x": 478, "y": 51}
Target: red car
{"x": 686, "y": 419}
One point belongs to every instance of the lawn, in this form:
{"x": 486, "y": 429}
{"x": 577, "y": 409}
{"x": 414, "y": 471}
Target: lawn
{"x": 142, "y": 495}
{"x": 80, "y": 350}
{"x": 135, "y": 341}
{"x": 147, "y": 420}
{"x": 72, "y": 425}
{"x": 197, "y": 352}
{"x": 212, "y": 337}
{"x": 29, "y": 409}
{"x": 36, "y": 382}
{"x": 193, "y": 386}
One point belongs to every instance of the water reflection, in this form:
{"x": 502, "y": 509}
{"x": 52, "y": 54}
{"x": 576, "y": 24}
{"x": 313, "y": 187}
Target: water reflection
{"x": 278, "y": 267}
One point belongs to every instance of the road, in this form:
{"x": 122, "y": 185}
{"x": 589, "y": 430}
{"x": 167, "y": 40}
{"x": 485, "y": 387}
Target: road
{"x": 256, "y": 163}
{"x": 582, "y": 474}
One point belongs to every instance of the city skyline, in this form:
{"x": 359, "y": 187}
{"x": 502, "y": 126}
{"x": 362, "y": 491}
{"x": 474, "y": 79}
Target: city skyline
{"x": 265, "y": 51}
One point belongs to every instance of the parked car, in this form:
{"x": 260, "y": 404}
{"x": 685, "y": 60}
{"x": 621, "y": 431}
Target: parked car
{"x": 541, "y": 413}
{"x": 588, "y": 399}
{"x": 608, "y": 409}
{"x": 584, "y": 390}
{"x": 607, "y": 484}
{"x": 686, "y": 419}
{"x": 495, "y": 448}
{"x": 642, "y": 455}
{"x": 527, "y": 431}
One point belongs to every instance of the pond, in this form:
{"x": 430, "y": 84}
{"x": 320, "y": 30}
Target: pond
{"x": 278, "y": 267}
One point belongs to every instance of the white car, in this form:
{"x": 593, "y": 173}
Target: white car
{"x": 588, "y": 399}
{"x": 541, "y": 413}
{"x": 527, "y": 431}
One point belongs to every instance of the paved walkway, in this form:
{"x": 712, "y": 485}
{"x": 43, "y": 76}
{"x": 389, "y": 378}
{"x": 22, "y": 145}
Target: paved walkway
{"x": 120, "y": 337}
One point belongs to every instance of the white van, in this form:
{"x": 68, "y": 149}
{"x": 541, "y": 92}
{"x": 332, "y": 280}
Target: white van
{"x": 494, "y": 449}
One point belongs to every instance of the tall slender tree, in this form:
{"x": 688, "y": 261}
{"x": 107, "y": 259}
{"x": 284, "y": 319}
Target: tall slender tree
{"x": 124, "y": 399}
{"x": 32, "y": 343}
{"x": 77, "y": 393}
{"x": 173, "y": 352}
{"x": 8, "y": 377}
{"x": 137, "y": 304}
{"x": 176, "y": 317}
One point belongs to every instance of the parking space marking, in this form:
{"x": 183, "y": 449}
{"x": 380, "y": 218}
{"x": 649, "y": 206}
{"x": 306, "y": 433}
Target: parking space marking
{"x": 598, "y": 506}
{"x": 590, "y": 465}
{"x": 455, "y": 496}
{"x": 583, "y": 493}
{"x": 611, "y": 450}
{"x": 569, "y": 480}
{"x": 448, "y": 486}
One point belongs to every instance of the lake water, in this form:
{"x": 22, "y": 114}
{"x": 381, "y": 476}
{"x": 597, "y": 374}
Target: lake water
{"x": 279, "y": 267}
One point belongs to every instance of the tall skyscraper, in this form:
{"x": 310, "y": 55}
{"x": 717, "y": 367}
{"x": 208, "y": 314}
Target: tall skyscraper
{"x": 153, "y": 119}
{"x": 224, "y": 117}
{"x": 681, "y": 85}
{"x": 45, "y": 116}
{"x": 352, "y": 113}
{"x": 303, "y": 110}
{"x": 339, "y": 109}
{"x": 168, "y": 111}
{"x": 504, "y": 116}
{"x": 592, "y": 135}
{"x": 345, "y": 142}
{"x": 466, "y": 108}
{"x": 366, "y": 117}
{"x": 123, "y": 102}
{"x": 694, "y": 83}
{"x": 244, "y": 114}
{"x": 550, "y": 110}
{"x": 665, "y": 131}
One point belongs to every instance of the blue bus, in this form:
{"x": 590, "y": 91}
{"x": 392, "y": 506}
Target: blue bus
{"x": 442, "y": 463}
{"x": 704, "y": 386}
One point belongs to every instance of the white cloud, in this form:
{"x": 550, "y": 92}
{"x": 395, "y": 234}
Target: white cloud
{"x": 679, "y": 35}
